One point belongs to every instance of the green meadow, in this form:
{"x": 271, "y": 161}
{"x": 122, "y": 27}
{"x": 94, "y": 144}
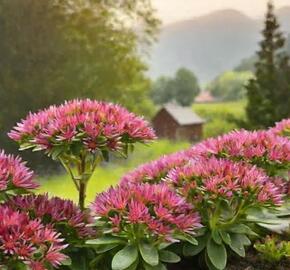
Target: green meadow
{"x": 109, "y": 174}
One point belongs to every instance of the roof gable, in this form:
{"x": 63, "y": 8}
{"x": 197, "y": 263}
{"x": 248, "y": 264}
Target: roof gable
{"x": 183, "y": 115}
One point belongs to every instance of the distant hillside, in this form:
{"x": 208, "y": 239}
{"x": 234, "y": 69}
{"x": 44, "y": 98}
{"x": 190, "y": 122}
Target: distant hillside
{"x": 210, "y": 44}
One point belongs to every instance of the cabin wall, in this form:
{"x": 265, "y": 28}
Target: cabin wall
{"x": 192, "y": 133}
{"x": 164, "y": 125}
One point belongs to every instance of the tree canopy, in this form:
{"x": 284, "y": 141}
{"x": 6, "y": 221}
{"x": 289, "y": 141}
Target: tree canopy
{"x": 182, "y": 88}
{"x": 61, "y": 49}
{"x": 269, "y": 91}
{"x": 230, "y": 85}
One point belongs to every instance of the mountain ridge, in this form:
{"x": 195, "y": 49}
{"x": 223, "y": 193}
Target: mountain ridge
{"x": 209, "y": 44}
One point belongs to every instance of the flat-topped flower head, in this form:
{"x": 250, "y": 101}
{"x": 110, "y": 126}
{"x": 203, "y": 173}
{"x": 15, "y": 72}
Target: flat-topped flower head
{"x": 205, "y": 179}
{"x": 80, "y": 134}
{"x": 154, "y": 210}
{"x": 261, "y": 148}
{"x": 14, "y": 175}
{"x": 85, "y": 123}
{"x": 62, "y": 214}
{"x": 28, "y": 242}
{"x": 282, "y": 128}
{"x": 154, "y": 171}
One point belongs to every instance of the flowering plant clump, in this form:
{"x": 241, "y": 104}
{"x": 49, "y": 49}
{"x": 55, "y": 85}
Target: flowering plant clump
{"x": 261, "y": 148}
{"x": 224, "y": 193}
{"x": 63, "y": 215}
{"x": 15, "y": 177}
{"x": 137, "y": 222}
{"x": 81, "y": 133}
{"x": 282, "y": 128}
{"x": 25, "y": 242}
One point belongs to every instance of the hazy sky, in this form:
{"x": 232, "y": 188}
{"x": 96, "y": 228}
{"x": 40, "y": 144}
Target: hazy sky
{"x": 175, "y": 10}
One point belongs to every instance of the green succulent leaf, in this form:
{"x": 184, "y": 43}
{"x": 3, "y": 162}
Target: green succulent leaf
{"x": 190, "y": 250}
{"x": 242, "y": 229}
{"x": 106, "y": 240}
{"x": 124, "y": 258}
{"x": 225, "y": 236}
{"x": 237, "y": 244}
{"x": 104, "y": 248}
{"x": 217, "y": 254}
{"x": 149, "y": 253}
{"x": 168, "y": 256}
{"x": 187, "y": 238}
{"x": 216, "y": 236}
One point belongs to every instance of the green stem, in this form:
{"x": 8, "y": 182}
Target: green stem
{"x": 82, "y": 195}
{"x": 68, "y": 169}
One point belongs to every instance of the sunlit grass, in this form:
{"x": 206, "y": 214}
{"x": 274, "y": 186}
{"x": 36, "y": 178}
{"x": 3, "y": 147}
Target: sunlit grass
{"x": 219, "y": 116}
{"x": 109, "y": 174}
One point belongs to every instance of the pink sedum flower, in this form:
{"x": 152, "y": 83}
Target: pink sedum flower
{"x": 282, "y": 128}
{"x": 93, "y": 124}
{"x": 14, "y": 174}
{"x": 158, "y": 211}
{"x": 55, "y": 211}
{"x": 212, "y": 178}
{"x": 154, "y": 171}
{"x": 28, "y": 241}
{"x": 262, "y": 148}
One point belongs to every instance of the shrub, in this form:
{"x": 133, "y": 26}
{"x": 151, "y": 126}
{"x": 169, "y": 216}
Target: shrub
{"x": 139, "y": 221}
{"x": 225, "y": 193}
{"x": 80, "y": 134}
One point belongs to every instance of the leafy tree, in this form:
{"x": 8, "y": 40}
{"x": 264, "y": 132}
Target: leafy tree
{"x": 61, "y": 49}
{"x": 230, "y": 85}
{"x": 183, "y": 88}
{"x": 269, "y": 92}
{"x": 187, "y": 87}
{"x": 163, "y": 90}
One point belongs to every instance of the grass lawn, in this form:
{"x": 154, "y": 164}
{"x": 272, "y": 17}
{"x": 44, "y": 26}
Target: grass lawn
{"x": 218, "y": 116}
{"x": 109, "y": 174}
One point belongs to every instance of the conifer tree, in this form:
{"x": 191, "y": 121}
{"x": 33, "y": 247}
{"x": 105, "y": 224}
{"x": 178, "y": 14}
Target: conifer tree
{"x": 269, "y": 92}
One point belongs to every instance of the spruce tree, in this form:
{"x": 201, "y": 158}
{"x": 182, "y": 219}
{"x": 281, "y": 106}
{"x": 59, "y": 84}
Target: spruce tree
{"x": 269, "y": 92}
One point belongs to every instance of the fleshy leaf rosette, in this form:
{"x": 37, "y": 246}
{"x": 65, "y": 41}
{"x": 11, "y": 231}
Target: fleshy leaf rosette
{"x": 15, "y": 177}
{"x": 226, "y": 194}
{"x": 63, "y": 215}
{"x": 261, "y": 148}
{"x": 25, "y": 242}
{"x": 80, "y": 134}
{"x": 143, "y": 218}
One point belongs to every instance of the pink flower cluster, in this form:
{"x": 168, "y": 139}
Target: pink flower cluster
{"x": 253, "y": 147}
{"x": 158, "y": 209}
{"x": 28, "y": 241}
{"x": 282, "y": 128}
{"x": 54, "y": 211}
{"x": 14, "y": 174}
{"x": 154, "y": 171}
{"x": 212, "y": 178}
{"x": 95, "y": 124}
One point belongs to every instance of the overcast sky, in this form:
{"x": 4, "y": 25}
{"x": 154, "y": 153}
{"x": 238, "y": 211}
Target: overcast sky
{"x": 176, "y": 10}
